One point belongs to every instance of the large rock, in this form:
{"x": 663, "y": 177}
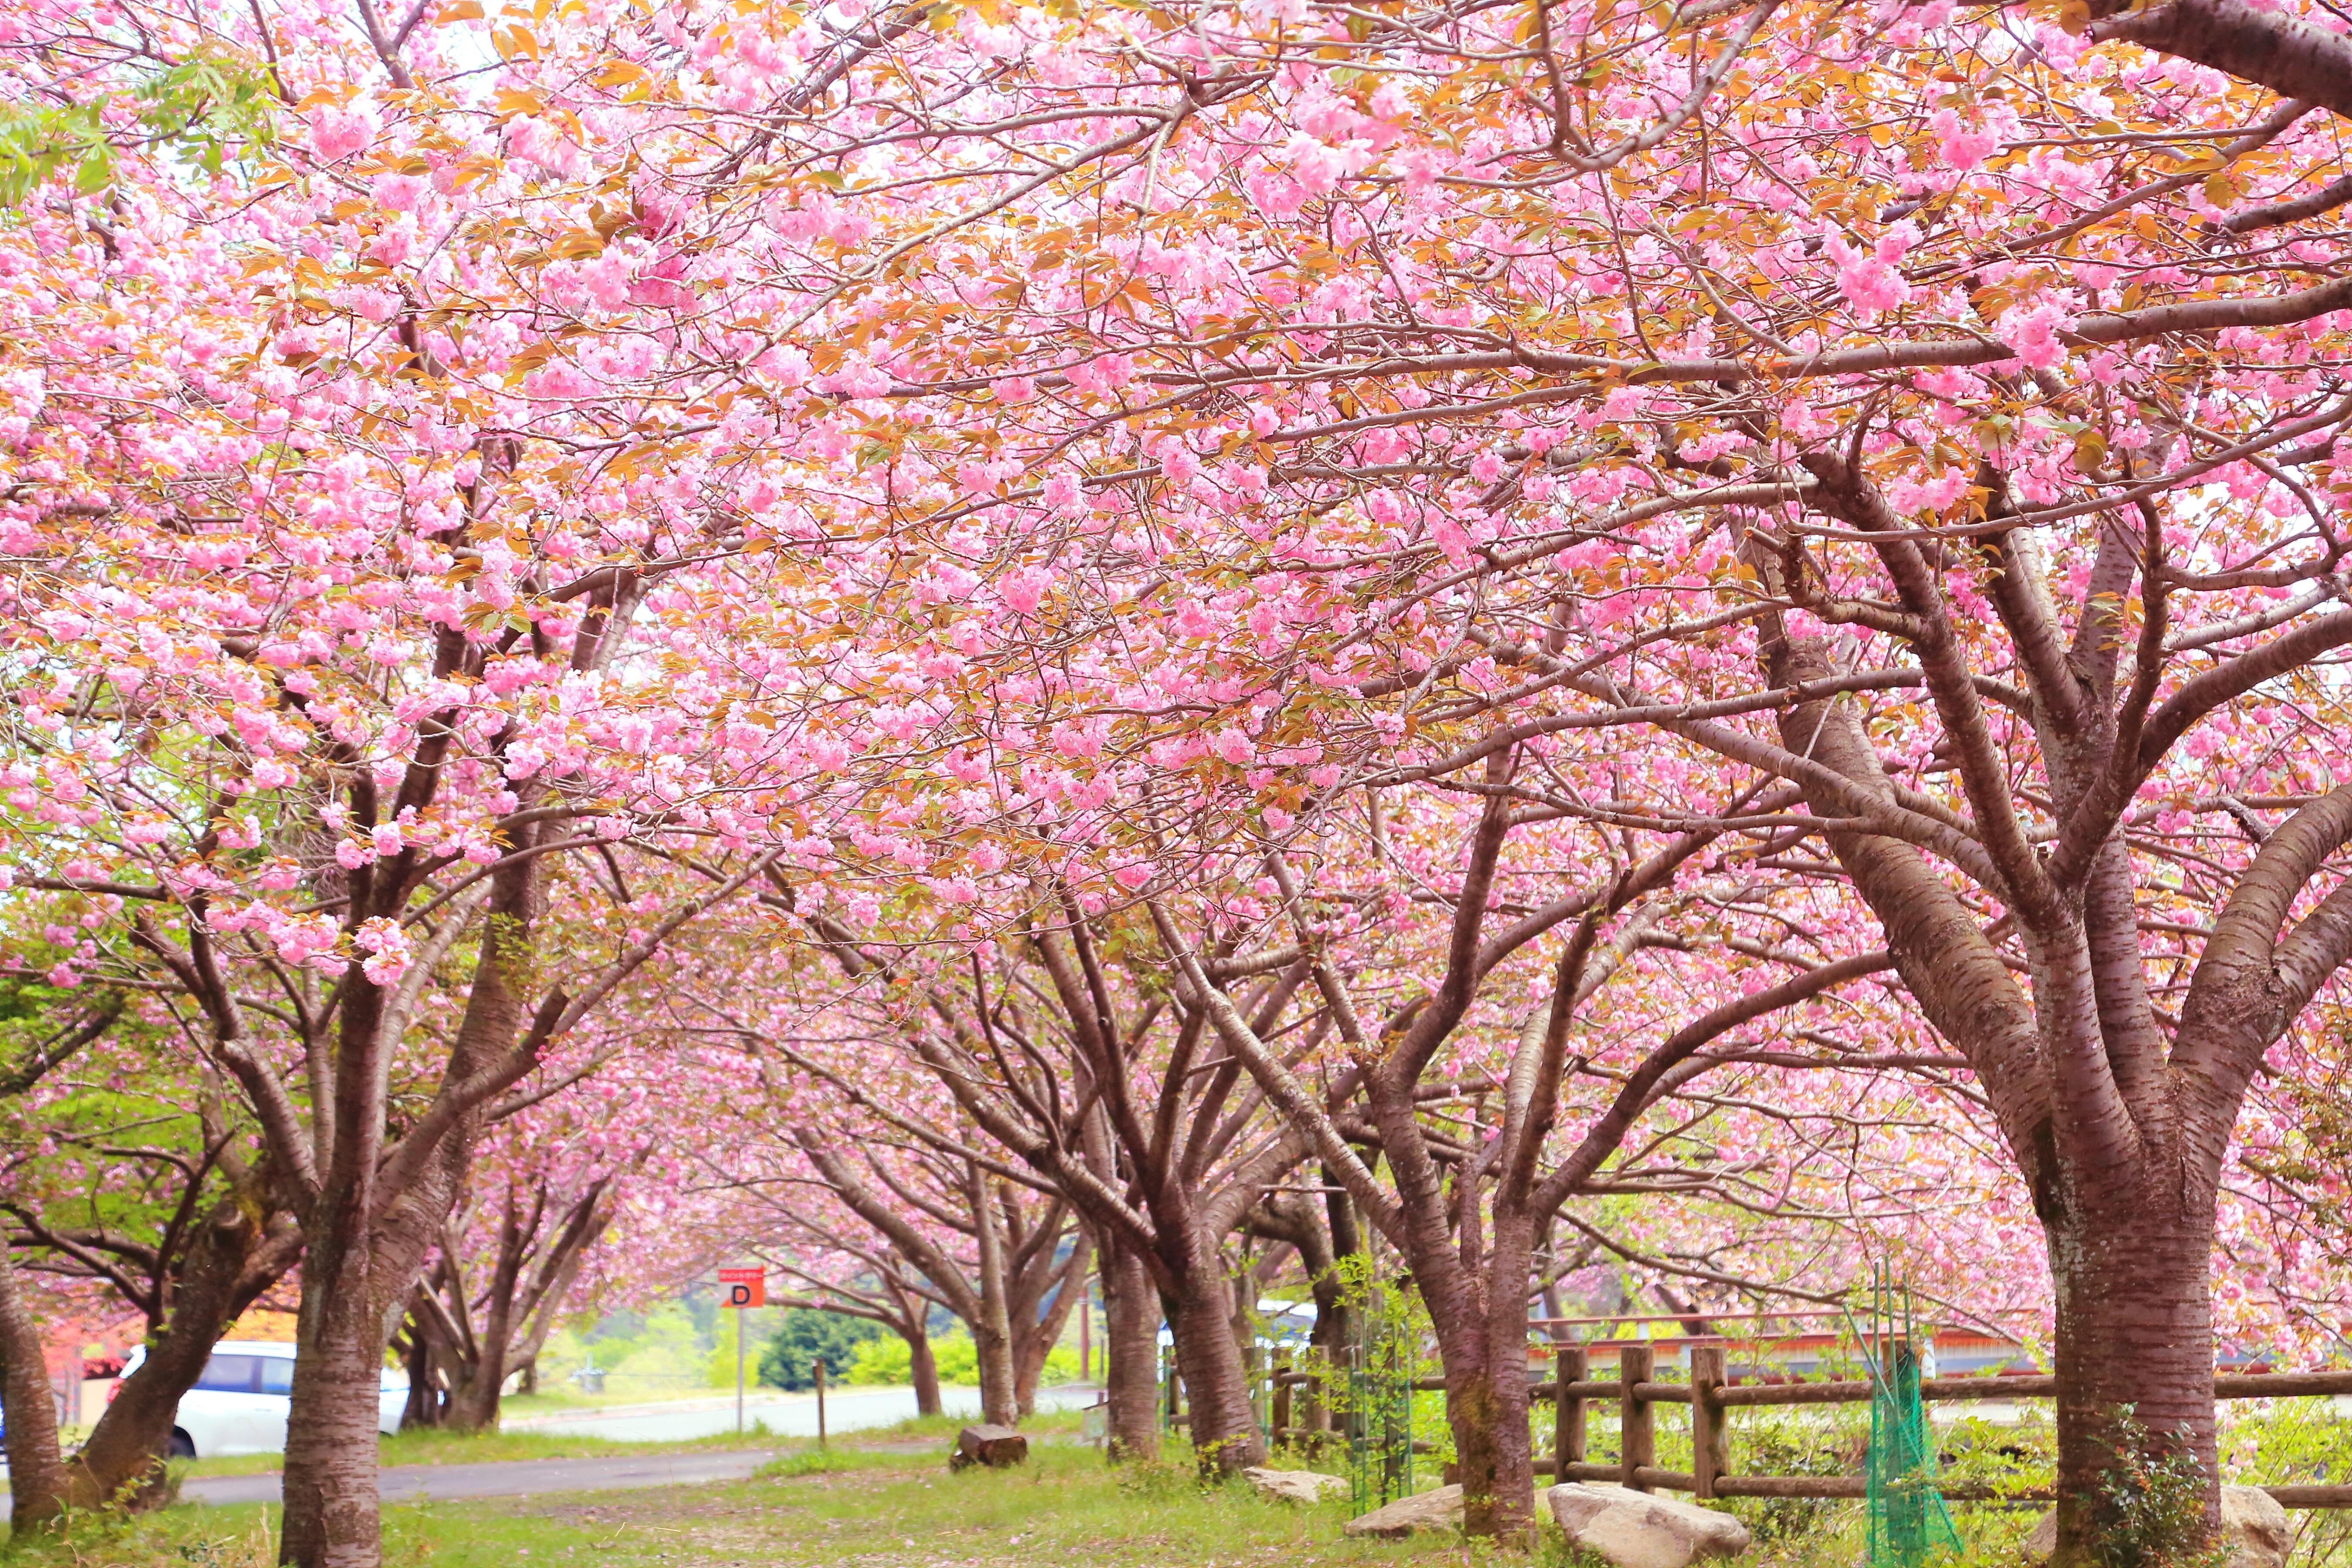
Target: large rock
{"x": 1294, "y": 1485}
{"x": 1640, "y": 1530}
{"x": 995, "y": 1447}
{"x": 2254, "y": 1530}
{"x": 1440, "y": 1509}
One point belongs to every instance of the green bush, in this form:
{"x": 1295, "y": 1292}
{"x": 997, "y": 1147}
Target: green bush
{"x": 1791, "y": 1446}
{"x": 2150, "y": 1508}
{"x": 884, "y": 1360}
{"x": 2290, "y": 1442}
{"x": 887, "y": 1360}
{"x": 789, "y": 1360}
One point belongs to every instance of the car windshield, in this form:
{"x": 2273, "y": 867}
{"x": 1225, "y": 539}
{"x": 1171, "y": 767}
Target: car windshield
{"x": 231, "y": 1375}
{"x": 230, "y": 1372}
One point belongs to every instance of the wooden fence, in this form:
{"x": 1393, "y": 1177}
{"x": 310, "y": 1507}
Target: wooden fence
{"x": 1713, "y": 1395}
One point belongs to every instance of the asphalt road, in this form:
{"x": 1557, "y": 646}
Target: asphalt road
{"x": 510, "y": 1478}
{"x": 785, "y": 1415}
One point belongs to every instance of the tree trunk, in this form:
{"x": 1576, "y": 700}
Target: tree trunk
{"x": 474, "y": 1392}
{"x": 1486, "y": 1407}
{"x": 36, "y": 1474}
{"x": 1037, "y": 1340}
{"x": 330, "y": 1518}
{"x": 330, "y": 1486}
{"x": 2135, "y": 1333}
{"x": 1225, "y": 1430}
{"x": 474, "y": 1396}
{"x": 992, "y": 1335}
{"x": 367, "y": 1241}
{"x": 923, "y": 1370}
{"x": 424, "y": 1407}
{"x": 1332, "y": 1327}
{"x": 1130, "y": 1356}
{"x": 230, "y": 1261}
{"x": 476, "y": 1381}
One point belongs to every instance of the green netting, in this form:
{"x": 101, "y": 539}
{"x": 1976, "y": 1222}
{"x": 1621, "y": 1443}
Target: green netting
{"x": 1380, "y": 1407}
{"x": 1908, "y": 1522}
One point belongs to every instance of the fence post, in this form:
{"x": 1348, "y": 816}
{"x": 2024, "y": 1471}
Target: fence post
{"x": 1568, "y": 1414}
{"x": 1281, "y": 1395}
{"x": 1635, "y": 1363}
{"x": 1710, "y": 1453}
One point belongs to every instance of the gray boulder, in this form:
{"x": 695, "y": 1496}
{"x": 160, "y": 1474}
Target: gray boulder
{"x": 1294, "y": 1485}
{"x": 1640, "y": 1530}
{"x": 995, "y": 1446}
{"x": 1440, "y": 1509}
{"x": 2254, "y": 1530}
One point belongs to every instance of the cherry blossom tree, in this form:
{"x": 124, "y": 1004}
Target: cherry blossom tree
{"x": 1095, "y": 1092}
{"x": 882, "y": 1227}
{"x": 1464, "y": 1207}
{"x": 132, "y": 1182}
{"x": 952, "y": 472}
{"x": 543, "y": 1194}
{"x": 1992, "y": 443}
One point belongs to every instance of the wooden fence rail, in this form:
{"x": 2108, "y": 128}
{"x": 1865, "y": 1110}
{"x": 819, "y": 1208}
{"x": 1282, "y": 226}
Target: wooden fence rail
{"x": 1712, "y": 1395}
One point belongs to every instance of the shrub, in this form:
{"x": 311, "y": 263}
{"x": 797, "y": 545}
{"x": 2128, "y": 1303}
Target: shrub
{"x": 789, "y": 1359}
{"x": 887, "y": 1360}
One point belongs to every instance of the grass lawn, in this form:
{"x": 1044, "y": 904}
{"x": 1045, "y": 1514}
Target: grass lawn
{"x": 852, "y": 1509}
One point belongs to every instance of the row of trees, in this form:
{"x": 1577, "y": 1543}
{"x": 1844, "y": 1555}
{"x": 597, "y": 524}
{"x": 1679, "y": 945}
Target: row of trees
{"x": 1483, "y": 630}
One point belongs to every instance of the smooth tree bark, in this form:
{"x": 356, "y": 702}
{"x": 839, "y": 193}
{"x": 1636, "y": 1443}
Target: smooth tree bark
{"x": 2284, "y": 53}
{"x": 922, "y": 1369}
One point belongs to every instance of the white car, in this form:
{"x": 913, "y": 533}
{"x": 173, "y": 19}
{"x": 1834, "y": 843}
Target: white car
{"x": 240, "y": 1400}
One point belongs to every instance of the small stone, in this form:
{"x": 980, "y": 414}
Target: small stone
{"x": 2254, "y": 1530}
{"x": 995, "y": 1446}
{"x": 1640, "y": 1529}
{"x": 1440, "y": 1509}
{"x": 1294, "y": 1485}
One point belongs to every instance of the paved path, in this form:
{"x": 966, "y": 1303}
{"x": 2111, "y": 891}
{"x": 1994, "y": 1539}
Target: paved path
{"x": 785, "y": 1415}
{"x": 512, "y": 1478}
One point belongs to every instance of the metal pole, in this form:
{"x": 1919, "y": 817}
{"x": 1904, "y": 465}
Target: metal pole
{"x": 739, "y": 1371}
{"x": 820, "y": 1401}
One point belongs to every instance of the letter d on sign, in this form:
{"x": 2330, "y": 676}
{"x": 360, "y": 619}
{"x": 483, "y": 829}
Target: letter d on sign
{"x": 746, "y": 1289}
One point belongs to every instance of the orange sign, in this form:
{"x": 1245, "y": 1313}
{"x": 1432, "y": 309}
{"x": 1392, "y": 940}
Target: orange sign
{"x": 744, "y": 1287}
